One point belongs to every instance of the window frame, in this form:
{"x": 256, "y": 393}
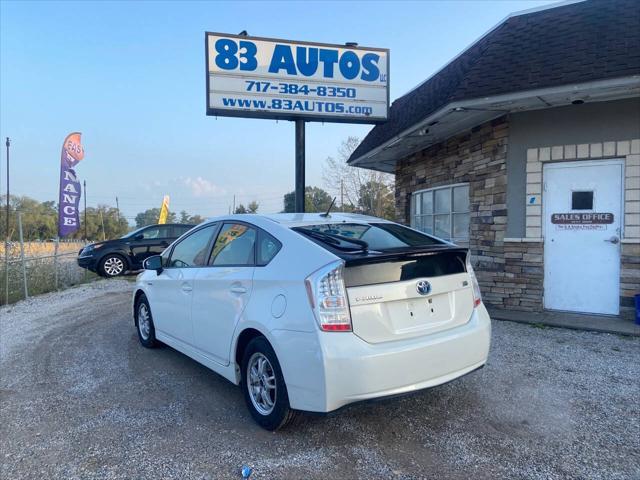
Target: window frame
{"x": 413, "y": 216}
{"x": 219, "y": 225}
{"x": 214, "y": 236}
{"x": 226, "y": 265}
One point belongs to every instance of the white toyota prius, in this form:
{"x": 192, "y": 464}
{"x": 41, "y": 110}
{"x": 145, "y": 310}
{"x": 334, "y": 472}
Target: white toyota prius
{"x": 310, "y": 312}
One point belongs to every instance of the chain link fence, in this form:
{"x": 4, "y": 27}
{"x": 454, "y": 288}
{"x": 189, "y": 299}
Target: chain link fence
{"x": 30, "y": 275}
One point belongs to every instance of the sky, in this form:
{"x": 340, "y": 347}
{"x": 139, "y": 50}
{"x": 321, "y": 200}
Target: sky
{"x": 131, "y": 77}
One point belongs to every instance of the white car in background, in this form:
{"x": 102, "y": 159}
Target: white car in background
{"x": 310, "y": 312}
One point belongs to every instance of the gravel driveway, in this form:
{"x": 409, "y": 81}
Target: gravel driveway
{"x": 81, "y": 399}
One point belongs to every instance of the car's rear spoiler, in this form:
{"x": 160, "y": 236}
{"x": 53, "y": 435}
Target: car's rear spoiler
{"x": 410, "y": 263}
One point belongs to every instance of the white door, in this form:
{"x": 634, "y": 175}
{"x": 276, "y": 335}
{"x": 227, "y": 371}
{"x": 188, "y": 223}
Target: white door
{"x": 171, "y": 303}
{"x": 222, "y": 289}
{"x": 173, "y": 288}
{"x": 582, "y": 229}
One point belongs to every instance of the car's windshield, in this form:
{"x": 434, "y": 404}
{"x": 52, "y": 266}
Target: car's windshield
{"x": 378, "y": 236}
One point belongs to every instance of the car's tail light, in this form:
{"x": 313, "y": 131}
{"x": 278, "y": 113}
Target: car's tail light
{"x": 328, "y": 297}
{"x": 477, "y": 298}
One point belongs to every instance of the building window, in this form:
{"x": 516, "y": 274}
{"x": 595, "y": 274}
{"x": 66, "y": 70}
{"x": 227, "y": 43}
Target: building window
{"x": 443, "y": 212}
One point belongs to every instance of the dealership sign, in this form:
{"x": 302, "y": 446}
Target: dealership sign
{"x": 270, "y": 78}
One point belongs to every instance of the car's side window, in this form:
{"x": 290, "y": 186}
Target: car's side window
{"x": 268, "y": 247}
{"x": 164, "y": 232}
{"x": 151, "y": 233}
{"x": 235, "y": 245}
{"x": 192, "y": 251}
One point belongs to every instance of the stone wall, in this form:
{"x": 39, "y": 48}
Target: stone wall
{"x": 629, "y": 278}
{"x": 510, "y": 274}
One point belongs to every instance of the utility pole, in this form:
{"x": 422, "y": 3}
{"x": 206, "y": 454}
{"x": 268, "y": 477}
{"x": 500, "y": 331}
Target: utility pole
{"x": 118, "y": 209}
{"x": 104, "y": 236}
{"x": 6, "y": 242}
{"x": 86, "y": 238}
{"x": 342, "y": 195}
{"x": 234, "y": 205}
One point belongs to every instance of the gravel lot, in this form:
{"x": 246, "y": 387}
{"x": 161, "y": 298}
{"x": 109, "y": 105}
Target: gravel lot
{"x": 81, "y": 399}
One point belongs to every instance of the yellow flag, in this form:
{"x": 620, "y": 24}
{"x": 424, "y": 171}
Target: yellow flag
{"x": 164, "y": 211}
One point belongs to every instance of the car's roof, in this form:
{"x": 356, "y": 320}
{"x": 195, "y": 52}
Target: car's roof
{"x": 298, "y": 219}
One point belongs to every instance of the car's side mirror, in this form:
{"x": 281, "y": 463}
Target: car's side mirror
{"x": 139, "y": 236}
{"x": 153, "y": 263}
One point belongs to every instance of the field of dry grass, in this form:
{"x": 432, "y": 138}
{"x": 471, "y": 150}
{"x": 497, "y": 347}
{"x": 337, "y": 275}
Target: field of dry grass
{"x": 43, "y": 272}
{"x": 40, "y": 249}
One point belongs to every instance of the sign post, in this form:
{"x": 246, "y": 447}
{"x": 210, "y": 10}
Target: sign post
{"x": 300, "y": 164}
{"x": 269, "y": 78}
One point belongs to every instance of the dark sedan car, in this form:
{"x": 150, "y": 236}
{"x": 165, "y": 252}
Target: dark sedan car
{"x": 114, "y": 257}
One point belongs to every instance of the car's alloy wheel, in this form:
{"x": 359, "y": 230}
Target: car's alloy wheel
{"x": 113, "y": 266}
{"x": 264, "y": 389}
{"x": 262, "y": 385}
{"x": 144, "y": 323}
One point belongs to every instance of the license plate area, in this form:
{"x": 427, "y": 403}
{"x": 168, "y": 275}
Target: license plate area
{"x": 410, "y": 314}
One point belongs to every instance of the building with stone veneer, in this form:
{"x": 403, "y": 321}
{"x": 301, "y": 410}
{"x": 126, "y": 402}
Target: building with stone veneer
{"x": 526, "y": 148}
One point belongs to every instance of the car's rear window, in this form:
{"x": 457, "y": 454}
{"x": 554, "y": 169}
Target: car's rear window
{"x": 379, "y": 236}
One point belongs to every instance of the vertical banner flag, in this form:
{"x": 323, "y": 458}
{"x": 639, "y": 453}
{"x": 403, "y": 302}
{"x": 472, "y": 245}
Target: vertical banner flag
{"x": 164, "y": 211}
{"x": 69, "y": 200}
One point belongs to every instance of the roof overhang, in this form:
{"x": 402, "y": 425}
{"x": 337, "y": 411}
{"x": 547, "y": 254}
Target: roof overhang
{"x": 460, "y": 116}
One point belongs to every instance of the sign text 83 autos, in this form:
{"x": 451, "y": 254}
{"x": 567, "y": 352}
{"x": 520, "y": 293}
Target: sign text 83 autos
{"x": 231, "y": 55}
{"x": 250, "y": 76}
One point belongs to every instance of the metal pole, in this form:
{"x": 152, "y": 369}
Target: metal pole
{"x": 104, "y": 236}
{"x": 55, "y": 262}
{"x": 118, "y": 209}
{"x": 84, "y": 183}
{"x": 300, "y": 165}
{"x": 6, "y": 242}
{"x": 24, "y": 266}
{"x": 342, "y": 195}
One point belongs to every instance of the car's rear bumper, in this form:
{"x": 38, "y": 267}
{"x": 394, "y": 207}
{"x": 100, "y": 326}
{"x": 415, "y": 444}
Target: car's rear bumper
{"x": 351, "y": 370}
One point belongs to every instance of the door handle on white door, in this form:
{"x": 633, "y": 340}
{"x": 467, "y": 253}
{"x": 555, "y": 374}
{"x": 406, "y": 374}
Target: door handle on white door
{"x": 238, "y": 289}
{"x": 186, "y": 288}
{"x": 615, "y": 240}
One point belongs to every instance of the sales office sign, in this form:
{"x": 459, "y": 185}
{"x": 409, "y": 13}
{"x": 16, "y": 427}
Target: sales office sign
{"x": 270, "y": 78}
{"x": 582, "y": 221}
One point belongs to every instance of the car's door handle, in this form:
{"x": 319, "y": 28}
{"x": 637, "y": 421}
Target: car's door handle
{"x": 238, "y": 289}
{"x": 186, "y": 288}
{"x": 615, "y": 240}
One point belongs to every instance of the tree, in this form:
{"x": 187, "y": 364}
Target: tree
{"x": 151, "y": 216}
{"x": 352, "y": 182}
{"x": 190, "y": 219}
{"x": 39, "y": 219}
{"x": 252, "y": 207}
{"x": 103, "y": 222}
{"x": 376, "y": 199}
{"x": 315, "y": 200}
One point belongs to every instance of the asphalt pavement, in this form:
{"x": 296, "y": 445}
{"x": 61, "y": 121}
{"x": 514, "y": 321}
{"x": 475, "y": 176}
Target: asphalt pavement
{"x": 80, "y": 398}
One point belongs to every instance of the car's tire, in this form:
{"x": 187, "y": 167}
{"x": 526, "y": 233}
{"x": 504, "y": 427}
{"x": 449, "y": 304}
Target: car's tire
{"x": 263, "y": 386}
{"x": 144, "y": 323}
{"x": 112, "y": 265}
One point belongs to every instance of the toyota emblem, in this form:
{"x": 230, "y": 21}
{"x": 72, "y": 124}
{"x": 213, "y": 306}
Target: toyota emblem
{"x": 423, "y": 287}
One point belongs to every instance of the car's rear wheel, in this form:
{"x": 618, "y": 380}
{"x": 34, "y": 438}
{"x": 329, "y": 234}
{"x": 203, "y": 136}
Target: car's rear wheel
{"x": 263, "y": 386}
{"x": 144, "y": 323}
{"x": 112, "y": 265}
